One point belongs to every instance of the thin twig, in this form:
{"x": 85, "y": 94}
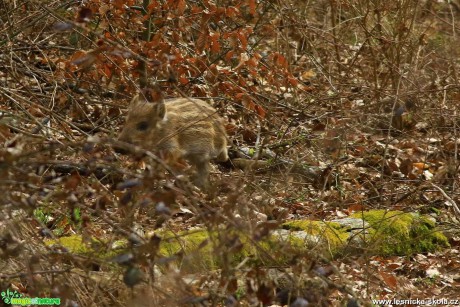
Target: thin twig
{"x": 449, "y": 199}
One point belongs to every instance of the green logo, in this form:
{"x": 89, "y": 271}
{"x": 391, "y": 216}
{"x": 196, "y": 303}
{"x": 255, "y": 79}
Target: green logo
{"x": 8, "y": 295}
{"x": 16, "y": 298}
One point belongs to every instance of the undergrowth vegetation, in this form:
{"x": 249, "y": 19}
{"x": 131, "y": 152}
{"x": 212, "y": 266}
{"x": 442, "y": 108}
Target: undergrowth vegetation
{"x": 333, "y": 108}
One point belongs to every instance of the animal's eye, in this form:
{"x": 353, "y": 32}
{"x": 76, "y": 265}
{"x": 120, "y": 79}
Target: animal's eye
{"x": 142, "y": 126}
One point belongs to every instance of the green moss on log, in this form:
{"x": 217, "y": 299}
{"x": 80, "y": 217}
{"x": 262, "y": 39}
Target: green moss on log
{"x": 399, "y": 233}
{"x": 384, "y": 233}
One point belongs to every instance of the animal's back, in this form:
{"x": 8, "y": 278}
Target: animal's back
{"x": 189, "y": 108}
{"x": 198, "y": 127}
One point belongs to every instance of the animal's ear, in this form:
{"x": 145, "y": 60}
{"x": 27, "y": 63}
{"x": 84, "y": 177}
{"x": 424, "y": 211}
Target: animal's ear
{"x": 153, "y": 94}
{"x": 134, "y": 101}
{"x": 160, "y": 110}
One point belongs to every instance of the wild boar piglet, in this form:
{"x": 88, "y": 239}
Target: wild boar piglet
{"x": 177, "y": 128}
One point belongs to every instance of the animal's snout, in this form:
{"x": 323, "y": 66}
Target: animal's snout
{"x": 120, "y": 146}
{"x": 120, "y": 150}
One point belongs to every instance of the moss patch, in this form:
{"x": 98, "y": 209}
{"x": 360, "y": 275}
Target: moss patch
{"x": 192, "y": 250}
{"x": 199, "y": 249}
{"x": 388, "y": 233}
{"x": 399, "y": 233}
{"x": 327, "y": 236}
{"x": 73, "y": 244}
